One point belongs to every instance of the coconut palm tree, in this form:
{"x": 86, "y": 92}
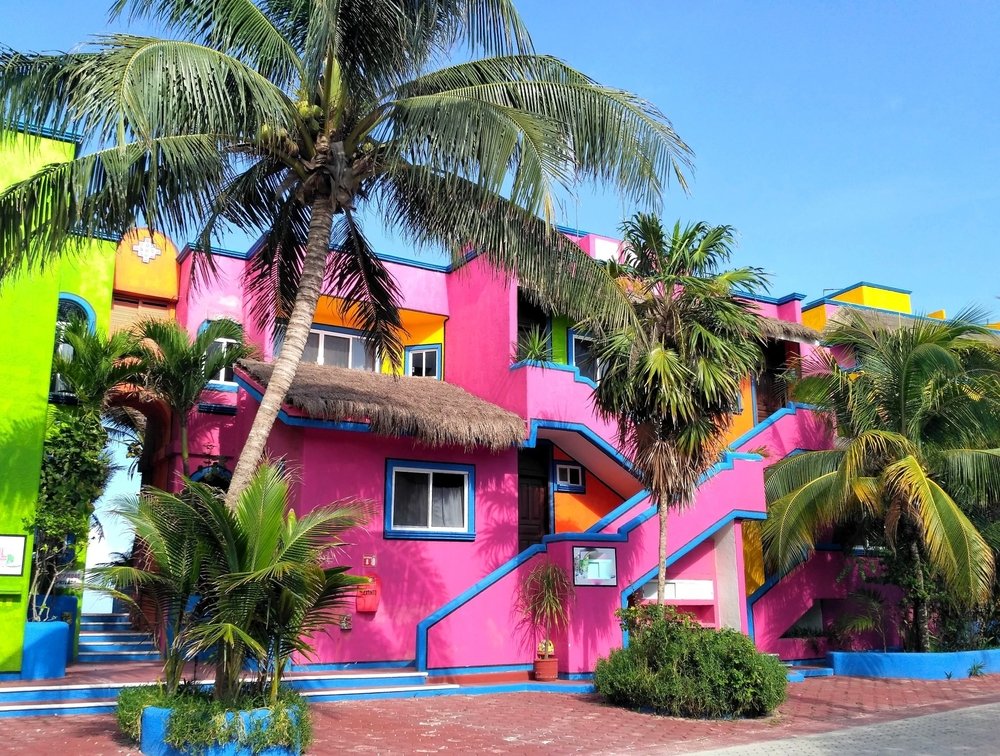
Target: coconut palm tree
{"x": 286, "y": 119}
{"x": 918, "y": 422}
{"x": 177, "y": 368}
{"x": 671, "y": 380}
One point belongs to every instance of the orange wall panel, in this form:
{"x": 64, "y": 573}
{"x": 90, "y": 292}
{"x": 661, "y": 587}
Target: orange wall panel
{"x": 575, "y": 512}
{"x": 146, "y": 266}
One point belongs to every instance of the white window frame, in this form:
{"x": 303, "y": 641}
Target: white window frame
{"x": 424, "y": 350}
{"x": 221, "y": 376}
{"x": 568, "y": 468}
{"x": 355, "y": 341}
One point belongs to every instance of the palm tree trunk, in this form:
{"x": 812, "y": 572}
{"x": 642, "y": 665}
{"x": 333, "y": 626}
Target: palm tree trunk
{"x": 661, "y": 555}
{"x": 299, "y": 323}
{"x": 921, "y": 621}
{"x": 185, "y": 464}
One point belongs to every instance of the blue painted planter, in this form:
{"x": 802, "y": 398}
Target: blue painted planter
{"x": 44, "y": 650}
{"x": 154, "y": 734}
{"x": 64, "y": 608}
{"x": 913, "y": 666}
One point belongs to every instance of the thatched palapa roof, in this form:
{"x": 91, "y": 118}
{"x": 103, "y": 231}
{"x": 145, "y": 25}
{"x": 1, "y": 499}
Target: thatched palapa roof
{"x": 434, "y": 412}
{"x": 783, "y": 330}
{"x": 889, "y": 321}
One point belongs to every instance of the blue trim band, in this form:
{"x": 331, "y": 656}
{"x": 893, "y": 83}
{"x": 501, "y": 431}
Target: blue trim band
{"x": 555, "y": 366}
{"x": 791, "y": 409}
{"x": 794, "y": 296}
{"x": 479, "y": 670}
{"x": 217, "y": 409}
{"x": 347, "y": 666}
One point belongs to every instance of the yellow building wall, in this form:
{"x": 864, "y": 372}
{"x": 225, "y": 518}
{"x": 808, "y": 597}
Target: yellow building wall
{"x": 815, "y": 317}
{"x": 744, "y": 421}
{"x": 873, "y": 296}
{"x": 146, "y": 266}
{"x": 753, "y": 556}
{"x": 420, "y": 328}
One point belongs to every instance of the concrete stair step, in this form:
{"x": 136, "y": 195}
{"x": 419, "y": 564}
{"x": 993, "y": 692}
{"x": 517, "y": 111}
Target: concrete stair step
{"x": 110, "y": 657}
{"x": 58, "y": 708}
{"x": 391, "y": 691}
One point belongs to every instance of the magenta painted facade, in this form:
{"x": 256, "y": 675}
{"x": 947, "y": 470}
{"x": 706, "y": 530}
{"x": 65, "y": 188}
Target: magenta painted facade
{"x": 449, "y": 603}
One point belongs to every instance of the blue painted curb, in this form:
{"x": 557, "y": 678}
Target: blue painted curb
{"x": 914, "y": 666}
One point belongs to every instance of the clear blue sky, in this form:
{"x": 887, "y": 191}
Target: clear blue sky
{"x": 844, "y": 140}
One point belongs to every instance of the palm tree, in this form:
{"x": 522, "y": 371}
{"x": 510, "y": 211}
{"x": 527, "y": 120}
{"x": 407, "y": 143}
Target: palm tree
{"x": 252, "y": 583}
{"x": 918, "y": 420}
{"x": 286, "y": 118}
{"x": 168, "y": 575}
{"x": 671, "y": 381}
{"x": 95, "y": 368}
{"x": 268, "y": 586}
{"x": 177, "y": 368}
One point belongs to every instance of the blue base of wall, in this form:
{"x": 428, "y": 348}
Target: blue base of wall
{"x": 154, "y": 733}
{"x": 914, "y": 666}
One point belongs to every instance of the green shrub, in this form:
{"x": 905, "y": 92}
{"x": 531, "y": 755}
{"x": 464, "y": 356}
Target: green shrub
{"x": 674, "y": 666}
{"x": 197, "y": 720}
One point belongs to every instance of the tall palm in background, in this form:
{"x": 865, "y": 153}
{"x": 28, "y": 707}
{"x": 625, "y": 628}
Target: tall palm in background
{"x": 672, "y": 379}
{"x": 287, "y": 117}
{"x": 177, "y": 368}
{"x": 918, "y": 423}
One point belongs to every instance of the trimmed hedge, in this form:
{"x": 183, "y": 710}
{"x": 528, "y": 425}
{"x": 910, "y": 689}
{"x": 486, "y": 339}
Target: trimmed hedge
{"x": 674, "y": 666}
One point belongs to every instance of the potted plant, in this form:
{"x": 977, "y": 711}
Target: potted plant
{"x": 545, "y": 597}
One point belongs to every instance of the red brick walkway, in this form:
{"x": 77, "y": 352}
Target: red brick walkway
{"x": 539, "y": 722}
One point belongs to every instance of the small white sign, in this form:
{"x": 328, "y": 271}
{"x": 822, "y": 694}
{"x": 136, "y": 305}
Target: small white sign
{"x": 12, "y": 555}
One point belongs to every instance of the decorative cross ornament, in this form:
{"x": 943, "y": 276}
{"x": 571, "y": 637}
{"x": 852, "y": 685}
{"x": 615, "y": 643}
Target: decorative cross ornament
{"x": 146, "y": 250}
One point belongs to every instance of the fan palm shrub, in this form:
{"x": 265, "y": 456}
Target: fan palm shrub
{"x": 672, "y": 377}
{"x": 918, "y": 428}
{"x": 177, "y": 368}
{"x": 288, "y": 119}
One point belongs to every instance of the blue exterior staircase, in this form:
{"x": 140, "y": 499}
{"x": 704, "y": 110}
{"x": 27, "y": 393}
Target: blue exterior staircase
{"x": 109, "y": 638}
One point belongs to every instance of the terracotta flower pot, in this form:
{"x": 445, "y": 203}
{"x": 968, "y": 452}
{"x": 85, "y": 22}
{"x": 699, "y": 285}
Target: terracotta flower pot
{"x": 546, "y": 670}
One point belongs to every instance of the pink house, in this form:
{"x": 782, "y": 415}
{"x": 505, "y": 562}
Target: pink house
{"x": 480, "y": 464}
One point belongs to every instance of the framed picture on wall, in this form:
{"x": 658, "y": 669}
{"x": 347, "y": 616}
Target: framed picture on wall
{"x": 593, "y": 565}
{"x": 12, "y": 555}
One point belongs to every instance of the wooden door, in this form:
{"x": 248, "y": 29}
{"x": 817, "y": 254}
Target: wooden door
{"x": 532, "y": 511}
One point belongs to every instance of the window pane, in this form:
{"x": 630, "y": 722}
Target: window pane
{"x": 311, "y": 354}
{"x": 583, "y": 356}
{"x": 409, "y": 499}
{"x": 69, "y": 311}
{"x": 574, "y": 476}
{"x": 448, "y": 501}
{"x": 362, "y": 357}
{"x": 336, "y": 350}
{"x": 561, "y": 474}
{"x": 430, "y": 364}
{"x": 416, "y": 363}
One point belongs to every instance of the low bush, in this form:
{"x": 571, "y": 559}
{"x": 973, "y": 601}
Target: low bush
{"x": 197, "y": 720}
{"x": 674, "y": 666}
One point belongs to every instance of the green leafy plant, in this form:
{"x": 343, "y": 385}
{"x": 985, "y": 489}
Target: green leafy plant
{"x": 295, "y": 122}
{"x": 534, "y": 345}
{"x": 246, "y": 586}
{"x": 544, "y": 600}
{"x": 197, "y": 721}
{"x": 674, "y": 666}
{"x": 948, "y": 675}
{"x": 919, "y": 421}
{"x": 868, "y": 611}
{"x": 976, "y": 670}
{"x": 673, "y": 375}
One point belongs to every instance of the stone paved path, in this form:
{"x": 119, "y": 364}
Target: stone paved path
{"x": 528, "y": 723}
{"x": 964, "y": 731}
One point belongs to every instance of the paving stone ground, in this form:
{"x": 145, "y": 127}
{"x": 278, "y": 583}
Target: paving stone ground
{"x": 526, "y": 723}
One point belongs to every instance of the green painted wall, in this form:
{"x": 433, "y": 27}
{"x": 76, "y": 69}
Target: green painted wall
{"x": 560, "y": 345}
{"x": 91, "y": 276}
{"x": 27, "y": 331}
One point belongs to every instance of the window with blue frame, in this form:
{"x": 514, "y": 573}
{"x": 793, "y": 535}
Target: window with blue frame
{"x": 71, "y": 308}
{"x": 227, "y": 375}
{"x": 433, "y": 500}
{"x": 424, "y": 361}
{"x": 570, "y": 477}
{"x": 585, "y": 359}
